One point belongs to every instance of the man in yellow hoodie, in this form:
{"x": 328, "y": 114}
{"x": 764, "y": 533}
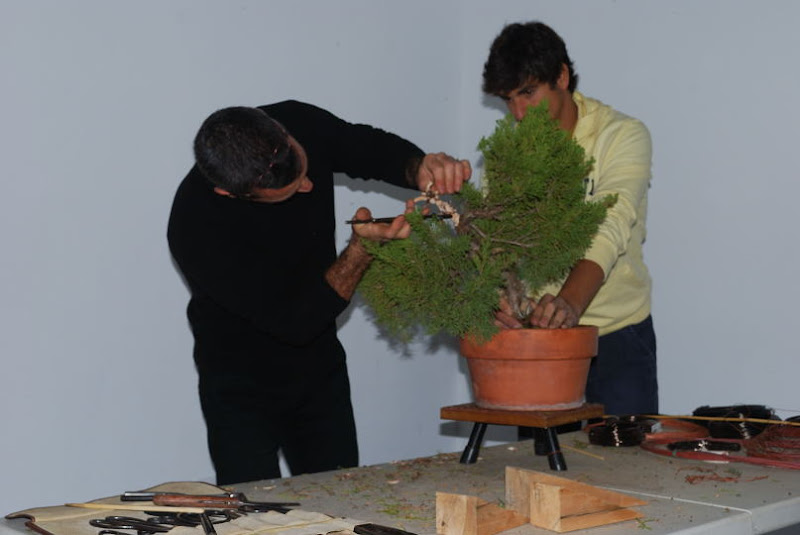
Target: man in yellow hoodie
{"x": 610, "y": 287}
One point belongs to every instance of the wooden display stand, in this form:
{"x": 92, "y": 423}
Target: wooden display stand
{"x": 543, "y": 500}
{"x": 544, "y": 422}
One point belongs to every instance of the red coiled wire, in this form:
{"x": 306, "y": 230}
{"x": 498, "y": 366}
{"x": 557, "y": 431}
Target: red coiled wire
{"x": 778, "y": 445}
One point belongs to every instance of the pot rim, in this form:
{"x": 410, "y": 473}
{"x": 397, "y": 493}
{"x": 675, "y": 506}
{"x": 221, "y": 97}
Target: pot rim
{"x": 535, "y": 344}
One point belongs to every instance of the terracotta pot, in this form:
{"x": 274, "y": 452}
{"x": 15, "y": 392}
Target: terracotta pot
{"x": 531, "y": 369}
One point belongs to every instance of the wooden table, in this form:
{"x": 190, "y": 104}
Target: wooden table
{"x": 684, "y": 497}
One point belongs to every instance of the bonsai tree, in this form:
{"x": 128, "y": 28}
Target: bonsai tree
{"x": 524, "y": 228}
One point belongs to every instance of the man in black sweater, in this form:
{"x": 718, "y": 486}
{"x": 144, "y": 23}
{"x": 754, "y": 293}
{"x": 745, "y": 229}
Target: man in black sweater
{"x": 252, "y": 230}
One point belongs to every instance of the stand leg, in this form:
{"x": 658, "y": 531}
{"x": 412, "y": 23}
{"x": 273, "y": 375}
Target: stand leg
{"x": 554, "y": 455}
{"x": 470, "y": 454}
{"x": 540, "y": 443}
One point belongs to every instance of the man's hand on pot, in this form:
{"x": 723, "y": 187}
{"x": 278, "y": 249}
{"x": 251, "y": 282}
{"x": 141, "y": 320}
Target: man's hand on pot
{"x": 553, "y": 312}
{"x": 444, "y": 172}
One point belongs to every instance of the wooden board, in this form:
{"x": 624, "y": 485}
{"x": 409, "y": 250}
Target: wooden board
{"x": 459, "y": 514}
{"x": 470, "y": 412}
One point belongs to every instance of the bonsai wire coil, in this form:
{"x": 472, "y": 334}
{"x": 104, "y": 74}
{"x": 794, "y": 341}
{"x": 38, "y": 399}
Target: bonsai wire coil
{"x": 531, "y": 369}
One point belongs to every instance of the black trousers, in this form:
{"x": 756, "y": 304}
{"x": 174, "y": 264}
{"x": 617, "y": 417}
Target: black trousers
{"x": 251, "y": 416}
{"x": 623, "y": 376}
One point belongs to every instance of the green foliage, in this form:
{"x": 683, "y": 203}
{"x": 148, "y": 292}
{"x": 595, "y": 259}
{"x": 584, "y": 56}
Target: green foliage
{"x": 430, "y": 280}
{"x": 530, "y": 223}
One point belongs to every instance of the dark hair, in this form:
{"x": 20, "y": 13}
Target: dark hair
{"x": 242, "y": 148}
{"x": 525, "y": 51}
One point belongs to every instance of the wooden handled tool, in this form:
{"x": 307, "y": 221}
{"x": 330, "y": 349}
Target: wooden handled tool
{"x": 235, "y": 501}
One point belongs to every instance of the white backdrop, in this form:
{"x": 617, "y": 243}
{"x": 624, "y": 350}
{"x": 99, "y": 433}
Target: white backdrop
{"x": 100, "y": 103}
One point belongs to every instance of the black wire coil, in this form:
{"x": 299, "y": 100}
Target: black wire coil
{"x": 621, "y": 431}
{"x": 704, "y": 445}
{"x": 741, "y": 430}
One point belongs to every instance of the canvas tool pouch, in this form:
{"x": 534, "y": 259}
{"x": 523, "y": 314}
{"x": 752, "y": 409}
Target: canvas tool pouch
{"x": 66, "y": 520}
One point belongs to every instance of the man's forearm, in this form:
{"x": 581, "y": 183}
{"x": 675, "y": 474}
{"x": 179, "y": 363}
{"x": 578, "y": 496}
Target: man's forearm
{"x": 582, "y": 284}
{"x": 346, "y": 272}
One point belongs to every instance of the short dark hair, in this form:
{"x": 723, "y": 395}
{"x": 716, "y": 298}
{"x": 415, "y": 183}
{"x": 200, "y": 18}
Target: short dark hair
{"x": 240, "y": 148}
{"x": 525, "y": 51}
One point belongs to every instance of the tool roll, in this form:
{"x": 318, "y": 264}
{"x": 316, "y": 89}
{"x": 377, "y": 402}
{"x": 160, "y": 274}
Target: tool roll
{"x": 67, "y": 520}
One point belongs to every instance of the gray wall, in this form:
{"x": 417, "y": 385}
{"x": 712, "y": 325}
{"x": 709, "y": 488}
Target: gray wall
{"x": 101, "y": 100}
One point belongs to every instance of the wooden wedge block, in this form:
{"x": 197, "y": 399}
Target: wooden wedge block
{"x": 459, "y": 514}
{"x": 561, "y": 505}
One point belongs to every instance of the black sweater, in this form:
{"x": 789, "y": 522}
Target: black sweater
{"x": 256, "y": 271}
